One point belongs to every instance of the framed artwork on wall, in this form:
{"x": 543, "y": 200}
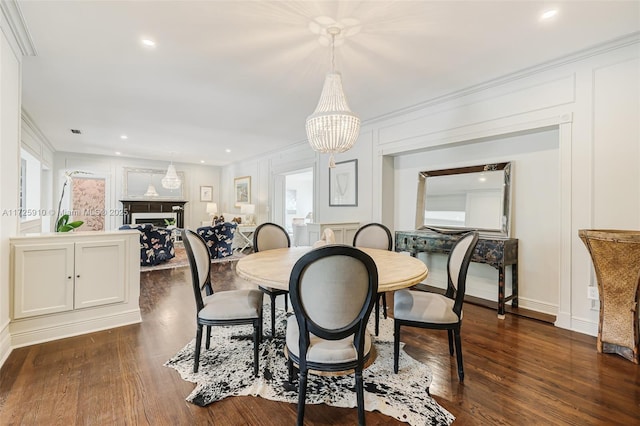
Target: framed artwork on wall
{"x": 343, "y": 184}
{"x": 206, "y": 193}
{"x": 242, "y": 190}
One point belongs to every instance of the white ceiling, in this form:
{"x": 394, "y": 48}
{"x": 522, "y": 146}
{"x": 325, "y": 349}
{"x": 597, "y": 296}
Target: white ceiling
{"x": 244, "y": 75}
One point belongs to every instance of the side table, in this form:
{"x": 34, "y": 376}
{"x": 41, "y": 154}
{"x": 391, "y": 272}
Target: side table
{"x": 244, "y": 237}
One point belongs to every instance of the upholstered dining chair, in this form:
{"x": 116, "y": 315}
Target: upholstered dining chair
{"x": 224, "y": 308}
{"x": 436, "y": 311}
{"x": 333, "y": 290}
{"x": 377, "y": 236}
{"x": 269, "y": 236}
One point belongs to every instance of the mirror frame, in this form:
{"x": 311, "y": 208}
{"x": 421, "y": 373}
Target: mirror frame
{"x": 505, "y": 228}
{"x": 157, "y": 182}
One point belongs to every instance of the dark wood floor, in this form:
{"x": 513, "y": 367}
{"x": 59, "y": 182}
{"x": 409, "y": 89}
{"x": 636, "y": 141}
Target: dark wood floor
{"x": 518, "y": 371}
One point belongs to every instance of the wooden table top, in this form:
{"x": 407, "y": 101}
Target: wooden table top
{"x": 273, "y": 267}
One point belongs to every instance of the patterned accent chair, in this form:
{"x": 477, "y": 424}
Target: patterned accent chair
{"x": 156, "y": 244}
{"x": 219, "y": 238}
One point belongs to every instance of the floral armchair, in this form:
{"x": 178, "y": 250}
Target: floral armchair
{"x": 156, "y": 244}
{"x": 219, "y": 238}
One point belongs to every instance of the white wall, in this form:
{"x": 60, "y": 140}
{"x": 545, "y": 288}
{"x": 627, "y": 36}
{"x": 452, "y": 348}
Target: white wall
{"x": 112, "y": 169}
{"x": 590, "y": 170}
{"x": 10, "y": 84}
{"x": 530, "y": 155}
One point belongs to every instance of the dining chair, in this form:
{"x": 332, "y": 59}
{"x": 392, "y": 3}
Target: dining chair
{"x": 333, "y": 290}
{"x": 423, "y": 309}
{"x": 269, "y": 236}
{"x": 224, "y": 308}
{"x": 377, "y": 236}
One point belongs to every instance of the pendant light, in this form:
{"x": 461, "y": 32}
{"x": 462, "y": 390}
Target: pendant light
{"x": 171, "y": 179}
{"x": 332, "y": 128}
{"x": 151, "y": 191}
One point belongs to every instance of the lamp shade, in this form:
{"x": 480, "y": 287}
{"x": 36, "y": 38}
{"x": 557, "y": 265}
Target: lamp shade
{"x": 212, "y": 208}
{"x": 171, "y": 179}
{"x": 248, "y": 209}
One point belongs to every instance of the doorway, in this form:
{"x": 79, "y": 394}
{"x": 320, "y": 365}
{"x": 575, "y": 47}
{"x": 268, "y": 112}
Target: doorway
{"x": 294, "y": 203}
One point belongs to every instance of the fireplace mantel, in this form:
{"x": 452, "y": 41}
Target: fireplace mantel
{"x": 152, "y": 206}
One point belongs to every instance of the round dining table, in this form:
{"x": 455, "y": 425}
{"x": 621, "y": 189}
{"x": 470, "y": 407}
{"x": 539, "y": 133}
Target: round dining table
{"x": 273, "y": 267}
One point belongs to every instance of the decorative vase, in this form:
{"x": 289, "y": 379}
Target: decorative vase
{"x": 616, "y": 260}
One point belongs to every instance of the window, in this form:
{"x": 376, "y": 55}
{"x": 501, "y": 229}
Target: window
{"x": 29, "y": 187}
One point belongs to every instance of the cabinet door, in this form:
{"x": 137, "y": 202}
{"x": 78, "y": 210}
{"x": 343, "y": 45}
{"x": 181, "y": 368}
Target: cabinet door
{"x": 43, "y": 279}
{"x": 100, "y": 276}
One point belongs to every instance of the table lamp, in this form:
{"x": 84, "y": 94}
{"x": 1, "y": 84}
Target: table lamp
{"x": 248, "y": 210}
{"x": 212, "y": 209}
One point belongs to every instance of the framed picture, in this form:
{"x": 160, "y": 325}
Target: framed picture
{"x": 343, "y": 184}
{"x": 206, "y": 193}
{"x": 242, "y": 190}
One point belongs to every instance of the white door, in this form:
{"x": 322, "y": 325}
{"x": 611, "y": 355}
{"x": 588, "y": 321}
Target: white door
{"x": 43, "y": 279}
{"x": 100, "y": 273}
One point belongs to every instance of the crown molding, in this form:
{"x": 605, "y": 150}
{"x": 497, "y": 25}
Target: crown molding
{"x": 598, "y": 49}
{"x": 31, "y": 124}
{"x": 15, "y": 23}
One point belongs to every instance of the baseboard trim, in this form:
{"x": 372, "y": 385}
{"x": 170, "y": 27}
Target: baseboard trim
{"x": 26, "y": 333}
{"x": 584, "y": 326}
{"x": 5, "y": 343}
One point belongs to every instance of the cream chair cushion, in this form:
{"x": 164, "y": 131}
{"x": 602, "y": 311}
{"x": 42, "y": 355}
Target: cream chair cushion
{"x": 324, "y": 351}
{"x": 423, "y": 306}
{"x": 232, "y": 304}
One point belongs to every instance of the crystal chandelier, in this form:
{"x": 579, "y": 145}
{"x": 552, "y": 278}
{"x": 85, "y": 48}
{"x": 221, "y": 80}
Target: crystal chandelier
{"x": 151, "y": 191}
{"x": 332, "y": 128}
{"x": 171, "y": 179}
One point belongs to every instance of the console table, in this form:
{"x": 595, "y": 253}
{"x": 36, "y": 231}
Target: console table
{"x": 495, "y": 251}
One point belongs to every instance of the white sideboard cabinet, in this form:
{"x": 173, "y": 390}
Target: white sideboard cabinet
{"x": 72, "y": 283}
{"x": 344, "y": 231}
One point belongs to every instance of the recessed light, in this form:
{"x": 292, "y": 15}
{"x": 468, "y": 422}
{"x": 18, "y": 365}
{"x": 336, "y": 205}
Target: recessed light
{"x": 124, "y": 137}
{"x": 76, "y": 132}
{"x": 227, "y": 150}
{"x": 551, "y": 13}
{"x": 147, "y": 42}
{"x": 202, "y": 161}
{"x": 118, "y": 153}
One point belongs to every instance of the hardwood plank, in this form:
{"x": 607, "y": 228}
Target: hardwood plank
{"x": 517, "y": 371}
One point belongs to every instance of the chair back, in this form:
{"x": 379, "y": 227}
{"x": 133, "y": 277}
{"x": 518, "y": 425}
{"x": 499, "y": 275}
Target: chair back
{"x": 269, "y": 236}
{"x": 457, "y": 267}
{"x": 200, "y": 264}
{"x": 333, "y": 290}
{"x": 373, "y": 235}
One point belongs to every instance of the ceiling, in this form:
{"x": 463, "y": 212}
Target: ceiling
{"x": 244, "y": 75}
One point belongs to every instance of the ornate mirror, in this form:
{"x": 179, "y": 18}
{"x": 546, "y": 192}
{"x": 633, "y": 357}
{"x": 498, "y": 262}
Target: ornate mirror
{"x": 474, "y": 197}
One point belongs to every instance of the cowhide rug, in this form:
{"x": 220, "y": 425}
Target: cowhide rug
{"x": 226, "y": 370}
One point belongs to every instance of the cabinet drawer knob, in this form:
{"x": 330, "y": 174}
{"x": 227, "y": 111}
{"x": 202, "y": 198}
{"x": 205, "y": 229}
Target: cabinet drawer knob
{"x": 78, "y": 276}
{"x": 69, "y": 277}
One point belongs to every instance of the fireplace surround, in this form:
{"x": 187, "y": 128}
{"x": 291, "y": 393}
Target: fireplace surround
{"x": 143, "y": 211}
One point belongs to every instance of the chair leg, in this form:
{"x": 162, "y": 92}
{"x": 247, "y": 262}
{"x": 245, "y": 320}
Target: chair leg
{"x": 456, "y": 333}
{"x": 286, "y": 302}
{"x": 360, "y": 396}
{"x": 273, "y": 314}
{"x": 377, "y": 315}
{"x": 384, "y": 305}
{"x": 302, "y": 395}
{"x": 396, "y": 345}
{"x": 290, "y": 370}
{"x": 256, "y": 340}
{"x": 196, "y": 359}
{"x": 450, "y": 334}
{"x": 208, "y": 344}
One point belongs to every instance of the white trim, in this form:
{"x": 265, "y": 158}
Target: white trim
{"x": 5, "y": 343}
{"x": 17, "y": 26}
{"x": 37, "y": 133}
{"x": 585, "y": 326}
{"x": 34, "y": 331}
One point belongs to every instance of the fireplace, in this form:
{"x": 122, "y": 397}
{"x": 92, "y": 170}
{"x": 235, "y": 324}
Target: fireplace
{"x": 157, "y": 219}
{"x": 139, "y": 211}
